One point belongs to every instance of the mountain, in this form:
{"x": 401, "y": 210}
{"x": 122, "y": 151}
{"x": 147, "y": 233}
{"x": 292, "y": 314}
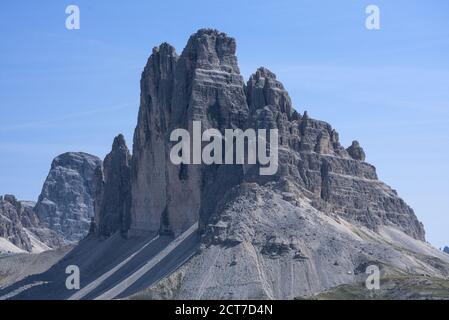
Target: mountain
{"x": 205, "y": 84}
{"x": 112, "y": 187}
{"x": 66, "y": 202}
{"x": 21, "y": 229}
{"x": 446, "y": 249}
{"x": 62, "y": 214}
{"x": 196, "y": 231}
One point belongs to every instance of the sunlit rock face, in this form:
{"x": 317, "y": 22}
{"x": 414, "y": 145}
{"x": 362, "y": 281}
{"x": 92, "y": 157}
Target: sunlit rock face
{"x": 318, "y": 222}
{"x": 204, "y": 83}
{"x": 20, "y": 227}
{"x": 65, "y": 204}
{"x": 112, "y": 189}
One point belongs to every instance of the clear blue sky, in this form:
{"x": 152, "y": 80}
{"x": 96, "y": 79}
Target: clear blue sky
{"x": 66, "y": 90}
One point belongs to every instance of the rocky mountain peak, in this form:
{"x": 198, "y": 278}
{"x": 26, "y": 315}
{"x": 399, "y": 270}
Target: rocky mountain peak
{"x": 160, "y": 65}
{"x": 446, "y": 249}
{"x": 119, "y": 144}
{"x": 164, "y": 49}
{"x": 356, "y": 151}
{"x": 65, "y": 204}
{"x": 212, "y": 49}
{"x": 264, "y": 89}
{"x": 319, "y": 221}
{"x": 204, "y": 84}
{"x": 112, "y": 188}
{"x": 74, "y": 160}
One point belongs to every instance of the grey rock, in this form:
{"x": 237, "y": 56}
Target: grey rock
{"x": 313, "y": 164}
{"x": 20, "y": 225}
{"x": 316, "y": 174}
{"x": 264, "y": 89}
{"x": 317, "y": 223}
{"x": 65, "y": 204}
{"x": 356, "y": 151}
{"x": 10, "y": 225}
{"x": 446, "y": 249}
{"x": 204, "y": 84}
{"x": 112, "y": 201}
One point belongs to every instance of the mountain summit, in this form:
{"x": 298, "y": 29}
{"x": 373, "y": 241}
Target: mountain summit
{"x": 204, "y": 83}
{"x": 65, "y": 204}
{"x": 225, "y": 231}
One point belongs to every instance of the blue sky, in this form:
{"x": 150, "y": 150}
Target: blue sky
{"x": 64, "y": 90}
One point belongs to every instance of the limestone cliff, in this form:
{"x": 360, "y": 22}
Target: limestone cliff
{"x": 204, "y": 83}
{"x": 65, "y": 204}
{"x": 21, "y": 229}
{"x": 112, "y": 188}
{"x": 317, "y": 223}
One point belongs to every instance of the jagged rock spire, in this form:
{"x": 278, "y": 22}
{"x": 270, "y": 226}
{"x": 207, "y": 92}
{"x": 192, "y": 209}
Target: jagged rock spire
{"x": 112, "y": 205}
{"x": 65, "y": 204}
{"x": 264, "y": 89}
{"x": 212, "y": 49}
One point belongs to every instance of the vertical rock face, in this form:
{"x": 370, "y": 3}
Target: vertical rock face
{"x": 148, "y": 176}
{"x": 11, "y": 227}
{"x": 263, "y": 89}
{"x": 21, "y": 226}
{"x": 314, "y": 165}
{"x": 65, "y": 204}
{"x": 113, "y": 190}
{"x": 204, "y": 83}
